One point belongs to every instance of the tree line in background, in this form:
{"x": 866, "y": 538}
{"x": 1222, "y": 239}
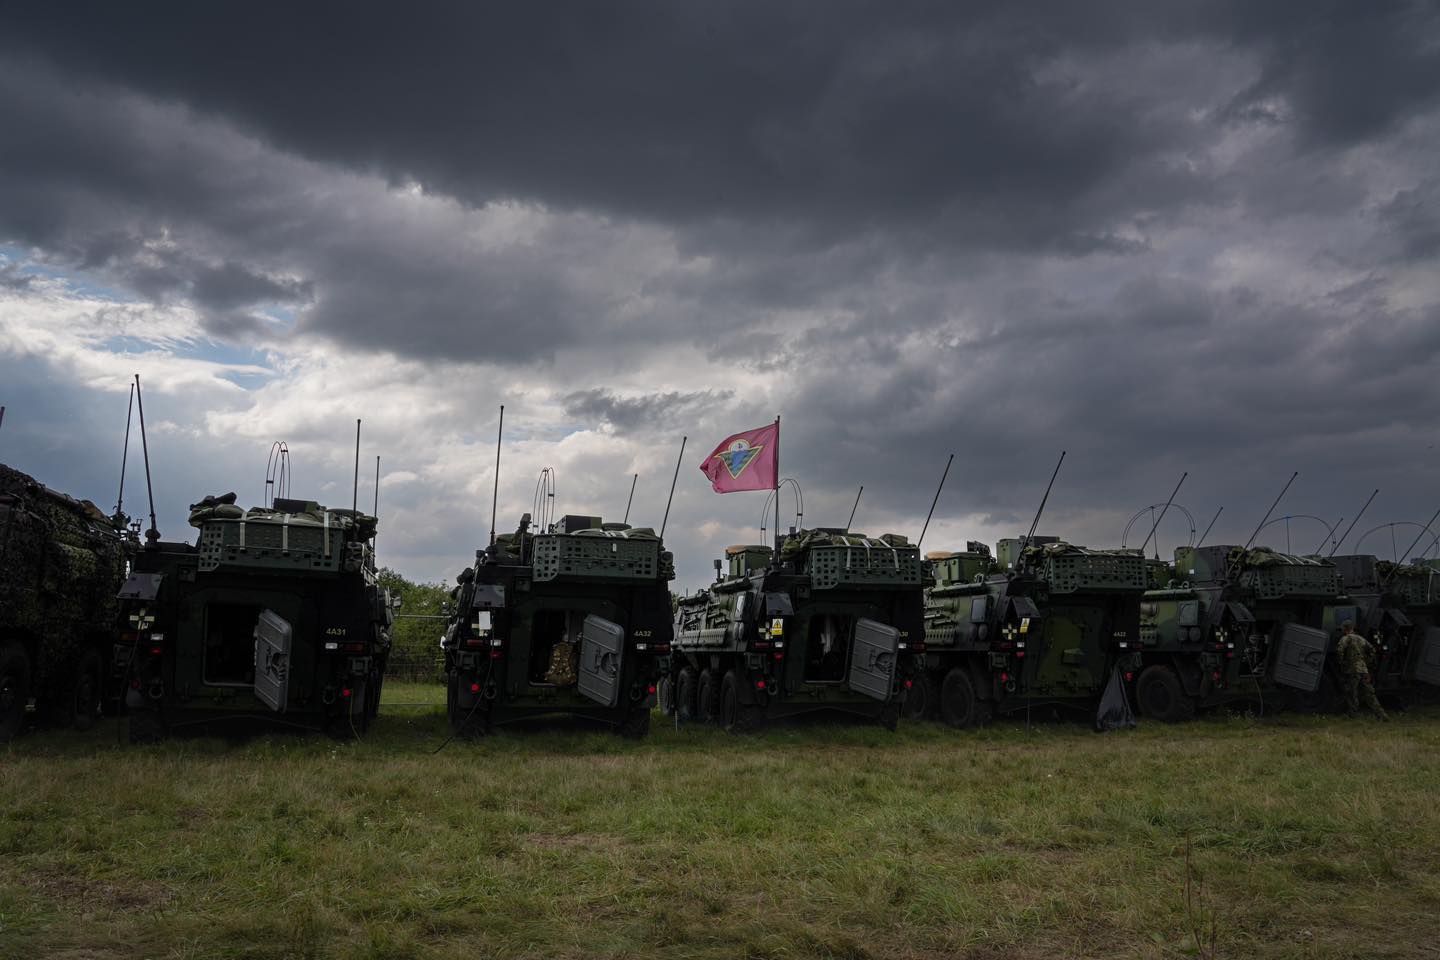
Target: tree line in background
{"x": 415, "y": 654}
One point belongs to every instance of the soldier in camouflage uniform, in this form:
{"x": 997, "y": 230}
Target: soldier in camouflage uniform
{"x": 1353, "y": 652}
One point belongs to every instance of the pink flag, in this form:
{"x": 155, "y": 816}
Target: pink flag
{"x": 746, "y": 461}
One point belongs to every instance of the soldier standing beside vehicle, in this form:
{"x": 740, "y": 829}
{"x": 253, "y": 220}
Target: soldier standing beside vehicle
{"x": 1353, "y": 652}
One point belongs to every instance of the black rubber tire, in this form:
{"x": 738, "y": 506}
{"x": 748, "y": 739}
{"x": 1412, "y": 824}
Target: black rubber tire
{"x": 82, "y": 694}
{"x": 735, "y": 717}
{"x": 14, "y": 690}
{"x": 707, "y": 698}
{"x": 685, "y": 695}
{"x": 372, "y": 703}
{"x": 959, "y": 704}
{"x": 146, "y": 726}
{"x": 1160, "y": 696}
{"x": 665, "y": 696}
{"x": 452, "y": 700}
{"x": 635, "y": 725}
{"x": 920, "y": 700}
{"x": 889, "y": 716}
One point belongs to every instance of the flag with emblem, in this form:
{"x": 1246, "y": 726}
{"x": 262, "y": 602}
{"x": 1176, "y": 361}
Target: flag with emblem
{"x": 745, "y": 461}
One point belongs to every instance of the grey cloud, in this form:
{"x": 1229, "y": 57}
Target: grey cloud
{"x": 630, "y": 414}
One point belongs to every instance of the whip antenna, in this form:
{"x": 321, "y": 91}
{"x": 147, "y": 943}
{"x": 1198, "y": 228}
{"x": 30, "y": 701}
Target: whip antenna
{"x": 1156, "y": 525}
{"x": 124, "y": 451}
{"x": 1263, "y": 521}
{"x": 857, "y": 504}
{"x": 495, "y": 494}
{"x": 1207, "y": 529}
{"x": 666, "y": 519}
{"x": 1424, "y": 530}
{"x": 153, "y": 534}
{"x": 355, "y": 490}
{"x": 936, "y": 500}
{"x": 633, "y": 481}
{"x": 1036, "y": 522}
{"x": 1352, "y": 524}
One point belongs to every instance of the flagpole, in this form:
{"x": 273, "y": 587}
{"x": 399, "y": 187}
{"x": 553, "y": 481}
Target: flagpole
{"x": 777, "y": 489}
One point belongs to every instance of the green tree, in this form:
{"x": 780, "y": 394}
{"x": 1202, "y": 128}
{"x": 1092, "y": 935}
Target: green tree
{"x": 419, "y": 625}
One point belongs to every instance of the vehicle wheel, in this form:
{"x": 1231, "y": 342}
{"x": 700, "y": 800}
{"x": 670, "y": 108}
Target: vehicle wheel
{"x": 636, "y": 724}
{"x": 1159, "y": 695}
{"x": 373, "y": 690}
{"x": 889, "y": 716}
{"x": 146, "y": 726}
{"x": 959, "y": 706}
{"x": 14, "y": 690}
{"x": 82, "y": 703}
{"x": 919, "y": 701}
{"x": 734, "y": 715}
{"x": 665, "y": 696}
{"x": 707, "y": 700}
{"x": 685, "y": 695}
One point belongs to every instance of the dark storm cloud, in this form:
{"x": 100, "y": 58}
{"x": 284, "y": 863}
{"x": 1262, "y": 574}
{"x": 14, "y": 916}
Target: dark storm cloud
{"x": 629, "y": 414}
{"x": 1162, "y": 237}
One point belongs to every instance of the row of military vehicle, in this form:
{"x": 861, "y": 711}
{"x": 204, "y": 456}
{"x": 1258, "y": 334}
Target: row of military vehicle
{"x": 277, "y": 612}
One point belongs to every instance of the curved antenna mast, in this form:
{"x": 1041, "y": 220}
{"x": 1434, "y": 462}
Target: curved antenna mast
{"x": 277, "y": 473}
{"x": 1424, "y": 530}
{"x": 1352, "y": 523}
{"x": 542, "y": 504}
{"x": 153, "y": 534}
{"x": 773, "y": 497}
{"x": 1156, "y": 525}
{"x": 1129, "y": 525}
{"x": 124, "y": 453}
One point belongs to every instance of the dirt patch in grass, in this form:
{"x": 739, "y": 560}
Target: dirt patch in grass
{"x": 88, "y": 895}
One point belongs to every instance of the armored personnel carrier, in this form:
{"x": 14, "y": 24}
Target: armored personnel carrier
{"x": 273, "y": 614}
{"x": 1378, "y": 596}
{"x": 573, "y": 619}
{"x": 1044, "y": 624}
{"x": 61, "y": 561}
{"x": 1237, "y": 624}
{"x": 1423, "y": 664}
{"x": 831, "y": 626}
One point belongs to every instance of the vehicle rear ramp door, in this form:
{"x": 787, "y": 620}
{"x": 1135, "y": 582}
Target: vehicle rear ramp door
{"x": 1300, "y": 659}
{"x": 872, "y": 659}
{"x": 272, "y": 660}
{"x": 1427, "y": 668}
{"x": 602, "y": 647}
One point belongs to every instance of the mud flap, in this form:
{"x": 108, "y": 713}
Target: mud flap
{"x": 602, "y": 648}
{"x": 1300, "y": 657}
{"x": 872, "y": 659}
{"x": 1427, "y": 666}
{"x": 272, "y": 660}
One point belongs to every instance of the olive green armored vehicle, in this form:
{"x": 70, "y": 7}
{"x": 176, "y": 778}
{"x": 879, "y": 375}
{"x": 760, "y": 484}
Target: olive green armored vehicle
{"x": 1423, "y": 664}
{"x": 1237, "y": 624}
{"x": 272, "y": 616}
{"x": 1380, "y": 598}
{"x": 832, "y": 626}
{"x": 1044, "y": 625}
{"x": 570, "y": 619}
{"x": 61, "y": 561}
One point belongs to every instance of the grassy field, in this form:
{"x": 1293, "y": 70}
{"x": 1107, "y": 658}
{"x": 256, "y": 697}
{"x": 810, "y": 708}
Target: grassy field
{"x": 1306, "y": 837}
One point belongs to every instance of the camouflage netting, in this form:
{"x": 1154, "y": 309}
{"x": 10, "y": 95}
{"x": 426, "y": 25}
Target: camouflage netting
{"x": 799, "y": 542}
{"x": 61, "y": 561}
{"x": 1265, "y": 557}
{"x": 354, "y": 525}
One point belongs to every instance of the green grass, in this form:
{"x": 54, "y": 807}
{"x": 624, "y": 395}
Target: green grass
{"x": 1309, "y": 838}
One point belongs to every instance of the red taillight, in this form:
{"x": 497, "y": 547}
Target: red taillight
{"x": 759, "y": 684}
{"x": 779, "y": 656}
{"x": 155, "y": 651}
{"x": 345, "y": 692}
{"x": 650, "y": 689}
{"x": 1004, "y": 677}
{"x": 661, "y": 648}
{"x": 1019, "y": 654}
{"x": 474, "y": 641}
{"x": 474, "y": 688}
{"x": 1129, "y": 676}
{"x": 353, "y": 647}
{"x": 909, "y": 684}
{"x": 496, "y": 654}
{"x": 1215, "y": 675}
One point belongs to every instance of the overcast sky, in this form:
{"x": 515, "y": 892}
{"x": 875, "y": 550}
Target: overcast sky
{"x": 1162, "y": 237}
